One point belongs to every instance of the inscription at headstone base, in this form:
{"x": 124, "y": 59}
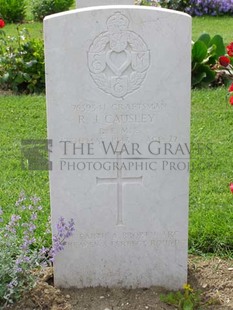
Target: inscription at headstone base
{"x": 118, "y": 104}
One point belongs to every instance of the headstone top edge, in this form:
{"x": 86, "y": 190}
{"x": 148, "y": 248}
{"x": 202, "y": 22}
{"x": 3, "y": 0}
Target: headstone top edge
{"x": 122, "y": 6}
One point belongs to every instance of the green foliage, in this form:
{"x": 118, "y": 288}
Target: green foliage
{"x": 12, "y": 11}
{"x": 22, "y": 67}
{"x": 205, "y": 54}
{"x": 154, "y": 3}
{"x": 145, "y": 3}
{"x": 42, "y": 8}
{"x": 185, "y": 300}
{"x": 179, "y": 5}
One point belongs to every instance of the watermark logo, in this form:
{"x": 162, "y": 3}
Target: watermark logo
{"x": 35, "y": 154}
{"x": 112, "y": 156}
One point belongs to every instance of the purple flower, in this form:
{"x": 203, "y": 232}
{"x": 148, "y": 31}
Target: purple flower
{"x": 18, "y": 261}
{"x": 15, "y": 218}
{"x": 11, "y": 227}
{"x": 26, "y": 259}
{"x": 64, "y": 231}
{"x": 12, "y": 284}
{"x": 20, "y": 199}
{"x": 19, "y": 269}
{"x": 43, "y": 251}
{"x": 209, "y": 7}
{"x": 32, "y": 227}
{"x": 35, "y": 200}
{"x": 34, "y": 216}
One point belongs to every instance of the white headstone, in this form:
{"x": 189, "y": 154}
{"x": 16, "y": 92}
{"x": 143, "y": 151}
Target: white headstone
{"x": 87, "y": 3}
{"x": 118, "y": 97}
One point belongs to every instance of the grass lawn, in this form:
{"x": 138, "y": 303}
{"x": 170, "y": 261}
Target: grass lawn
{"x": 211, "y": 203}
{"x": 22, "y": 117}
{"x": 35, "y": 29}
{"x": 213, "y": 25}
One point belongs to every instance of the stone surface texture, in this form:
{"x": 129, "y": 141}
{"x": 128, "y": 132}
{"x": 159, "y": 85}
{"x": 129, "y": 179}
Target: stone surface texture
{"x": 118, "y": 102}
{"x": 87, "y": 3}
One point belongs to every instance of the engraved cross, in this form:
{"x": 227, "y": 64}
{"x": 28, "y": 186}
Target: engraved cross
{"x": 120, "y": 182}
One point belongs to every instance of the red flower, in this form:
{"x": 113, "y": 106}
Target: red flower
{"x": 230, "y": 89}
{"x": 230, "y": 49}
{"x": 231, "y": 100}
{"x": 231, "y": 187}
{"x": 2, "y": 23}
{"x": 224, "y": 61}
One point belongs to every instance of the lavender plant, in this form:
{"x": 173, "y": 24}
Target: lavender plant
{"x": 19, "y": 253}
{"x": 64, "y": 231}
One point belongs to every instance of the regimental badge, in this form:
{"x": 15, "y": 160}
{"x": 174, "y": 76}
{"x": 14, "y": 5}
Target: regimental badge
{"x": 118, "y": 59}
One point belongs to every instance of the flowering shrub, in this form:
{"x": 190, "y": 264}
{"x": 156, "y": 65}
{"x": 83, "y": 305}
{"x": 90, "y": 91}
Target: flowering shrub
{"x": 22, "y": 67}
{"x": 205, "y": 54}
{"x": 231, "y": 94}
{"x": 230, "y": 49}
{"x": 224, "y": 61}
{"x": 19, "y": 253}
{"x": 2, "y": 23}
{"x": 42, "y": 8}
{"x": 209, "y": 7}
{"x": 179, "y": 5}
{"x": 225, "y": 68}
{"x": 13, "y": 11}
{"x": 199, "y": 7}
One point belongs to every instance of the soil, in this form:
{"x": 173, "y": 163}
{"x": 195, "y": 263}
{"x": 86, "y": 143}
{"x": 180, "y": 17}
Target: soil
{"x": 5, "y": 92}
{"x": 213, "y": 277}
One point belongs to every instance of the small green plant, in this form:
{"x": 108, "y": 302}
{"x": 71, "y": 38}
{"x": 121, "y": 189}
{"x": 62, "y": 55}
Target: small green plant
{"x": 42, "y": 8}
{"x": 146, "y": 3}
{"x": 155, "y": 3}
{"x": 205, "y": 54}
{"x": 22, "y": 67}
{"x": 179, "y": 5}
{"x": 12, "y": 11}
{"x": 22, "y": 252}
{"x": 183, "y": 300}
